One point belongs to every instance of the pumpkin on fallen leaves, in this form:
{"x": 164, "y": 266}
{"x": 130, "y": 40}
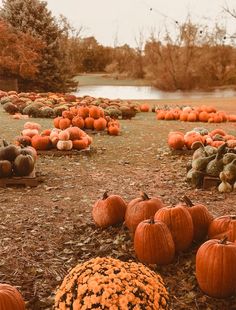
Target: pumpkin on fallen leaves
{"x": 109, "y": 210}
{"x": 10, "y": 298}
{"x": 153, "y": 243}
{"x": 216, "y": 268}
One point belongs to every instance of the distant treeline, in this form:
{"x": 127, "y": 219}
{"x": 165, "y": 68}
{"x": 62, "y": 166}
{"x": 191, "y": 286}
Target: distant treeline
{"x": 45, "y": 54}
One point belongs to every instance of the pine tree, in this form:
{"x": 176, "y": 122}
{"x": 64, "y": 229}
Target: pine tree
{"x": 33, "y": 17}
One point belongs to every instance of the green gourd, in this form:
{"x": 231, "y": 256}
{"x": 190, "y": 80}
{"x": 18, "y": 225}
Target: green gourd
{"x": 199, "y": 151}
{"x": 201, "y": 163}
{"x": 230, "y": 171}
{"x": 224, "y": 186}
{"x": 210, "y": 150}
{"x": 215, "y": 166}
{"x": 228, "y": 157}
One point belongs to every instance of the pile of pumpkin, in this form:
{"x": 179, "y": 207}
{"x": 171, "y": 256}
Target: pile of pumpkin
{"x": 84, "y": 117}
{"x": 160, "y": 231}
{"x": 213, "y": 162}
{"x": 16, "y": 160}
{"x": 194, "y": 114}
{"x": 178, "y": 140}
{"x": 50, "y": 105}
{"x": 64, "y": 140}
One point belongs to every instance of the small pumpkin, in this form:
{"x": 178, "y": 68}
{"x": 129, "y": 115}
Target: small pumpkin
{"x": 109, "y": 210}
{"x": 78, "y": 121}
{"x": 41, "y": 142}
{"x": 153, "y": 243}
{"x": 80, "y": 144}
{"x": 100, "y": 124}
{"x": 76, "y": 133}
{"x": 113, "y": 130}
{"x": 5, "y": 168}
{"x": 30, "y": 132}
{"x": 64, "y": 145}
{"x": 89, "y": 123}
{"x": 176, "y": 141}
{"x": 140, "y": 209}
{"x": 9, "y": 151}
{"x": 23, "y": 140}
{"x": 216, "y": 268}
{"x": 10, "y": 298}
{"x": 32, "y": 125}
{"x": 64, "y": 135}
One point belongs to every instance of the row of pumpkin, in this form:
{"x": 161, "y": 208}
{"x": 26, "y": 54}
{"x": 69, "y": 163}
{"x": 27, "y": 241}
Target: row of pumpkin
{"x": 160, "y": 231}
{"x": 195, "y": 114}
{"x": 178, "y": 140}
{"x": 49, "y": 105}
{"x": 84, "y": 117}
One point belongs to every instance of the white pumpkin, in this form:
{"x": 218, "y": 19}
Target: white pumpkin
{"x": 64, "y": 145}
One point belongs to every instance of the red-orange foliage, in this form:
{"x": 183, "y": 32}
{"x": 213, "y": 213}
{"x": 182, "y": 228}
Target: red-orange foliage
{"x": 19, "y": 52}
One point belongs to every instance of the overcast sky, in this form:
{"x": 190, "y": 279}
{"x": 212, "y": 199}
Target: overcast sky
{"x": 122, "y": 21}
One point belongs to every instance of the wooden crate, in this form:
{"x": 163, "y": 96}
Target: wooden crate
{"x": 210, "y": 182}
{"x": 30, "y": 180}
{"x": 58, "y": 153}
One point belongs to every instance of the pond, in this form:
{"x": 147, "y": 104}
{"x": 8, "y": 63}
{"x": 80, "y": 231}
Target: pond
{"x": 147, "y": 92}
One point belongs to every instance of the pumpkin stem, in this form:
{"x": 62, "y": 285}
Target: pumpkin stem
{"x": 151, "y": 220}
{"x": 224, "y": 240}
{"x": 188, "y": 201}
{"x": 105, "y": 195}
{"x": 144, "y": 196}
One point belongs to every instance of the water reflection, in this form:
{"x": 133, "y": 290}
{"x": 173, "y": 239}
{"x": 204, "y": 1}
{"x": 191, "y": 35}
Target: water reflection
{"x": 147, "y": 92}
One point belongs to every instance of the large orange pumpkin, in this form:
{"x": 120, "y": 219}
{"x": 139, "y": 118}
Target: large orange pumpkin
{"x": 41, "y": 142}
{"x": 180, "y": 224}
{"x": 216, "y": 268}
{"x": 109, "y": 210}
{"x": 140, "y": 209}
{"x": 10, "y": 298}
{"x": 223, "y": 226}
{"x": 153, "y": 243}
{"x": 201, "y": 218}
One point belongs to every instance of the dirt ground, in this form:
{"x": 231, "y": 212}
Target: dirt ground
{"x": 49, "y": 229}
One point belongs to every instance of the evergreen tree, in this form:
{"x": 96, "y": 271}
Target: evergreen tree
{"x": 33, "y": 17}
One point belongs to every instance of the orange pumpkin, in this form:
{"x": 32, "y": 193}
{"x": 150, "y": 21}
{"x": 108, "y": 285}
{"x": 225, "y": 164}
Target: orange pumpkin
{"x": 94, "y": 112}
{"x": 153, "y": 243}
{"x": 75, "y": 133}
{"x": 109, "y": 210}
{"x": 176, "y": 141}
{"x": 67, "y": 114}
{"x": 89, "y": 123}
{"x": 83, "y": 111}
{"x": 80, "y": 144}
{"x": 10, "y": 298}
{"x": 140, "y": 209}
{"x": 113, "y": 130}
{"x": 78, "y": 121}
{"x": 144, "y": 107}
{"x": 41, "y": 142}
{"x": 180, "y": 224}
{"x": 100, "y": 124}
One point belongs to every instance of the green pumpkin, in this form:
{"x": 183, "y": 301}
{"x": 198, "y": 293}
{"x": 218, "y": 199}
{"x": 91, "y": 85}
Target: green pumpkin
{"x": 23, "y": 165}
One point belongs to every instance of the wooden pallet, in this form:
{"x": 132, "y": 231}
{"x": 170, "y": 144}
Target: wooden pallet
{"x": 210, "y": 182}
{"x": 30, "y": 180}
{"x": 58, "y": 153}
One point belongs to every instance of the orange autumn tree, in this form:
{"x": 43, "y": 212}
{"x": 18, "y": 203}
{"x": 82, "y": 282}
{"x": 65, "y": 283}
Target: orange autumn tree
{"x": 19, "y": 53}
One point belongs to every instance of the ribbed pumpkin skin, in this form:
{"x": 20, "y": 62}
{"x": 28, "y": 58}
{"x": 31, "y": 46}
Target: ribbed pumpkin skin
{"x": 109, "y": 211}
{"x": 180, "y": 224}
{"x": 201, "y": 218}
{"x": 216, "y": 268}
{"x": 5, "y": 168}
{"x": 23, "y": 165}
{"x": 140, "y": 209}
{"x": 153, "y": 243}
{"x": 10, "y": 298}
{"x": 223, "y": 226}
